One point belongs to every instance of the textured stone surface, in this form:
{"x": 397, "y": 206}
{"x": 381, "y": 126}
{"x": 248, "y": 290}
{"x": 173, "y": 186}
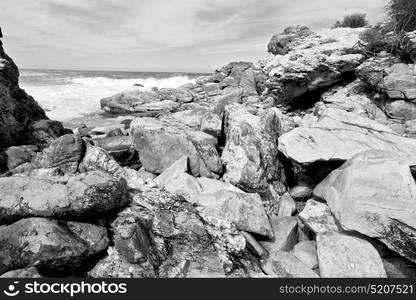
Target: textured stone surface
{"x": 283, "y": 264}
{"x": 285, "y": 234}
{"x": 318, "y": 217}
{"x": 344, "y": 256}
{"x": 91, "y": 193}
{"x": 374, "y": 193}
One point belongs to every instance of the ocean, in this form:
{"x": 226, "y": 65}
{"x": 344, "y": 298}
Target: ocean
{"x": 67, "y": 94}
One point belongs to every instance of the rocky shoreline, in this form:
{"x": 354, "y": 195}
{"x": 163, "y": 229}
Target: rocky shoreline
{"x": 299, "y": 165}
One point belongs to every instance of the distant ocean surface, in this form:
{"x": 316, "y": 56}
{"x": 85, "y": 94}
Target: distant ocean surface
{"x": 70, "y": 94}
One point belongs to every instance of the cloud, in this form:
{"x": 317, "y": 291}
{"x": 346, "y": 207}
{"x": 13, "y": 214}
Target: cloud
{"x": 157, "y": 34}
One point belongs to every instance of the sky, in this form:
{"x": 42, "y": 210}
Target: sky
{"x": 158, "y": 35}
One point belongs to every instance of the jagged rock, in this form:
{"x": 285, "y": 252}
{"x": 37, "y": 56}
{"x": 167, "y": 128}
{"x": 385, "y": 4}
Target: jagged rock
{"x": 81, "y": 195}
{"x": 250, "y": 152}
{"x": 115, "y": 143}
{"x": 340, "y": 255}
{"x": 318, "y": 217}
{"x": 235, "y": 96}
{"x": 42, "y": 243}
{"x": 285, "y": 234}
{"x": 177, "y": 168}
{"x": 319, "y": 61}
{"x": 246, "y": 211}
{"x": 18, "y": 110}
{"x": 30, "y": 272}
{"x": 160, "y": 145}
{"x": 94, "y": 236}
{"x": 287, "y": 206}
{"x": 381, "y": 203}
{"x": 283, "y": 264}
{"x": 340, "y": 135}
{"x": 254, "y": 246}
{"x": 115, "y": 265}
{"x": 306, "y": 252}
{"x": 168, "y": 232}
{"x": 280, "y": 43}
{"x": 210, "y": 185}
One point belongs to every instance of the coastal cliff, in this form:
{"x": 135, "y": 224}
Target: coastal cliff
{"x": 298, "y": 165}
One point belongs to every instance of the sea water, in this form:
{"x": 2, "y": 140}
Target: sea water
{"x": 71, "y": 94}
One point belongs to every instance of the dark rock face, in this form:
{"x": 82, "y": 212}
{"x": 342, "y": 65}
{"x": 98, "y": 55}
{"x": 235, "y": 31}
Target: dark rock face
{"x": 44, "y": 243}
{"x": 18, "y": 110}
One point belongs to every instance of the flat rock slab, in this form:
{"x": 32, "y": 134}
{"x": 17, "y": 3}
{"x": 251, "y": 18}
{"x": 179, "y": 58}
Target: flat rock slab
{"x": 374, "y": 193}
{"x": 86, "y": 194}
{"x": 340, "y": 135}
{"x": 306, "y": 252}
{"x": 342, "y": 256}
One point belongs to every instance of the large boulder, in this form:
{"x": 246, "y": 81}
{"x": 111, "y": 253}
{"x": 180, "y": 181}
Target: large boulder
{"x": 319, "y": 61}
{"x": 44, "y": 243}
{"x": 18, "y": 110}
{"x": 160, "y": 145}
{"x": 250, "y": 152}
{"x": 86, "y": 194}
{"x": 340, "y": 255}
{"x": 338, "y": 136}
{"x": 280, "y": 43}
{"x": 374, "y": 193}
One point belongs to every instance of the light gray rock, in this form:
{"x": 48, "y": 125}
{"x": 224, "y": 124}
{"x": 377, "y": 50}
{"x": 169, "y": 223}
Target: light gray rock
{"x": 340, "y": 135}
{"x": 283, "y": 264}
{"x": 250, "y": 152}
{"x": 246, "y": 211}
{"x": 177, "y": 168}
{"x": 301, "y": 192}
{"x": 184, "y": 185}
{"x": 285, "y": 234}
{"x": 342, "y": 256}
{"x": 30, "y": 272}
{"x": 306, "y": 252}
{"x": 318, "y": 217}
{"x": 287, "y": 206}
{"x": 374, "y": 193}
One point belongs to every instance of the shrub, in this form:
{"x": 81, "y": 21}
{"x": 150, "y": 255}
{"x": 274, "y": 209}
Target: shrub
{"x": 401, "y": 15}
{"x": 354, "y": 21}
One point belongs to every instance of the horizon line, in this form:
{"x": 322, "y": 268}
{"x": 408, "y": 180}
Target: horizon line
{"x": 116, "y": 70}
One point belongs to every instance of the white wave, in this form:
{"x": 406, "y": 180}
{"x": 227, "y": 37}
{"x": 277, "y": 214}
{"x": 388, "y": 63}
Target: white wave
{"x": 82, "y": 94}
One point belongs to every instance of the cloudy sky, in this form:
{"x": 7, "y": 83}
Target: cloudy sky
{"x": 157, "y": 35}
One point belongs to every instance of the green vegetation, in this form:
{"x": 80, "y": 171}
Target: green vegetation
{"x": 353, "y": 21}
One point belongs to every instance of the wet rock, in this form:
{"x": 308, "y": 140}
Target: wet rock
{"x": 382, "y": 203}
{"x": 42, "y": 243}
{"x": 81, "y": 195}
{"x": 340, "y": 255}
